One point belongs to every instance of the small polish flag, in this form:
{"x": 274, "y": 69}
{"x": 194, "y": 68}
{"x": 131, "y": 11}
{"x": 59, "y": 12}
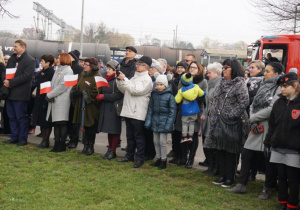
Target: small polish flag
{"x": 45, "y": 87}
{"x": 100, "y": 82}
{"x": 10, "y": 73}
{"x": 71, "y": 80}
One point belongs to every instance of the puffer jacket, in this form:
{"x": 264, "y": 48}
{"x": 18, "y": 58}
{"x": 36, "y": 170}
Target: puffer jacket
{"x": 161, "y": 111}
{"x": 189, "y": 93}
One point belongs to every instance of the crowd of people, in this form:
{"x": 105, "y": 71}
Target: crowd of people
{"x": 255, "y": 115}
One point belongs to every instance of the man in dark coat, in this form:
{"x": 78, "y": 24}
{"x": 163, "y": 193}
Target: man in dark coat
{"x": 73, "y": 129}
{"x": 20, "y": 90}
{"x": 128, "y": 63}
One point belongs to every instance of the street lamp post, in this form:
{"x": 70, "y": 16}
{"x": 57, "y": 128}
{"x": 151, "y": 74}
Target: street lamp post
{"x": 295, "y": 21}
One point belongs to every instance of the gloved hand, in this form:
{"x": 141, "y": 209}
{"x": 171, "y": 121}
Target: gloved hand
{"x": 49, "y": 100}
{"x": 100, "y": 97}
{"x": 77, "y": 93}
{"x": 254, "y": 128}
{"x": 267, "y": 152}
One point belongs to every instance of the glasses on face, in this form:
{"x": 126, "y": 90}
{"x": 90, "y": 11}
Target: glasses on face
{"x": 226, "y": 67}
{"x": 187, "y": 61}
{"x": 86, "y": 64}
{"x": 193, "y": 67}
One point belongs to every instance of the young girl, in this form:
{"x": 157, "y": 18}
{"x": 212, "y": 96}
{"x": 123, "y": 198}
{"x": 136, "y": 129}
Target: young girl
{"x": 283, "y": 140}
{"x": 160, "y": 117}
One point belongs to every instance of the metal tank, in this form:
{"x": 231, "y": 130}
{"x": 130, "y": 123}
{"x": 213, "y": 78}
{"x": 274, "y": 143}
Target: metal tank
{"x": 37, "y": 48}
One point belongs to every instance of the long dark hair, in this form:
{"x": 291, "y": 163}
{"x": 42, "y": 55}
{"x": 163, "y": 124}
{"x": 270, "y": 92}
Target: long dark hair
{"x": 236, "y": 68}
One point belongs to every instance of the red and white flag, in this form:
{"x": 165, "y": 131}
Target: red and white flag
{"x": 10, "y": 73}
{"x": 100, "y": 82}
{"x": 45, "y": 87}
{"x": 71, "y": 80}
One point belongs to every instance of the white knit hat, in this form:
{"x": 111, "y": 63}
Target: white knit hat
{"x": 161, "y": 78}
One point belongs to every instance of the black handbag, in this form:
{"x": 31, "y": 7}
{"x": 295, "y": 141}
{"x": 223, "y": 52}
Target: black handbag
{"x": 230, "y": 131}
{"x": 118, "y": 103}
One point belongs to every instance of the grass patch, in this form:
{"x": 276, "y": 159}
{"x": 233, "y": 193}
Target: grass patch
{"x": 32, "y": 178}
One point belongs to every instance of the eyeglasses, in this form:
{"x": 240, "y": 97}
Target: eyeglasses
{"x": 193, "y": 67}
{"x": 187, "y": 61}
{"x": 226, "y": 67}
{"x": 86, "y": 64}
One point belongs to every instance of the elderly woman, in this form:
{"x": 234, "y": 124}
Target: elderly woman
{"x": 214, "y": 72}
{"x": 59, "y": 102}
{"x": 228, "y": 106}
{"x": 40, "y": 104}
{"x": 109, "y": 121}
{"x": 260, "y": 111}
{"x": 197, "y": 72}
{"x": 87, "y": 90}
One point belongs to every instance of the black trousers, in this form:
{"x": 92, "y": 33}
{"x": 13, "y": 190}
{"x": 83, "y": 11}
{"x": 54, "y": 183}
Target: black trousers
{"x": 149, "y": 144}
{"x": 176, "y": 138}
{"x": 270, "y": 174}
{"x": 249, "y": 158}
{"x": 228, "y": 164}
{"x": 135, "y": 139}
{"x": 288, "y": 181}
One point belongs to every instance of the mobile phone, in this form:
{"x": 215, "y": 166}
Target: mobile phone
{"x": 117, "y": 72}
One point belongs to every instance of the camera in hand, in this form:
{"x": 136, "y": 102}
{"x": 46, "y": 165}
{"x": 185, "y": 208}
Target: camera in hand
{"x": 117, "y": 72}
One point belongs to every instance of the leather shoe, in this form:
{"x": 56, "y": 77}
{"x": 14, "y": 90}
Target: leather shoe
{"x": 138, "y": 164}
{"x": 22, "y": 143}
{"x": 219, "y": 181}
{"x": 10, "y": 141}
{"x": 124, "y": 159}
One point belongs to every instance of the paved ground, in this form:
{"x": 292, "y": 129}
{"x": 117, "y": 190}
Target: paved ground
{"x": 101, "y": 143}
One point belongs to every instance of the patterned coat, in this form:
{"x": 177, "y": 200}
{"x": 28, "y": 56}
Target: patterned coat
{"x": 234, "y": 107}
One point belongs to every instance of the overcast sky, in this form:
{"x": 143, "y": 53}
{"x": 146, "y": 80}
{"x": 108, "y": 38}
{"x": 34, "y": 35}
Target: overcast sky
{"x": 226, "y": 21}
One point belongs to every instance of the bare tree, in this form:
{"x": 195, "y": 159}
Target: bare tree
{"x": 281, "y": 16}
{"x": 4, "y": 11}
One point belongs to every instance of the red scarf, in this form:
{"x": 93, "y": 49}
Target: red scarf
{"x": 108, "y": 77}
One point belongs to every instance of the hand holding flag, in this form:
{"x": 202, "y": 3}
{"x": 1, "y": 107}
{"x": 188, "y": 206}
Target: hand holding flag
{"x": 71, "y": 80}
{"x": 100, "y": 82}
{"x": 10, "y": 73}
{"x": 45, "y": 87}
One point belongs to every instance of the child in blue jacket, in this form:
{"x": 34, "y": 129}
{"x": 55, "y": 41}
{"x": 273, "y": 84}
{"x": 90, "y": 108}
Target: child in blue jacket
{"x": 189, "y": 108}
{"x": 160, "y": 117}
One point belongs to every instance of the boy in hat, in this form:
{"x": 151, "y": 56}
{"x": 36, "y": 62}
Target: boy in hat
{"x": 189, "y": 108}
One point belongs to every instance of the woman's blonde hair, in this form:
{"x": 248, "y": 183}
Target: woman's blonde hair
{"x": 1, "y": 57}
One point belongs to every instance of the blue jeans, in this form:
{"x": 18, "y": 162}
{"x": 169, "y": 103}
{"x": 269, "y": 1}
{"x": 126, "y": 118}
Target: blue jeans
{"x": 135, "y": 139}
{"x": 18, "y": 119}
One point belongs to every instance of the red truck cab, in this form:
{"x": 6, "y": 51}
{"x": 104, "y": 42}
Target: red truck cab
{"x": 286, "y": 48}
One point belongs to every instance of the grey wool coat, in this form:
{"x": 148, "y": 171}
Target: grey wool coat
{"x": 212, "y": 84}
{"x": 59, "y": 109}
{"x": 261, "y": 116}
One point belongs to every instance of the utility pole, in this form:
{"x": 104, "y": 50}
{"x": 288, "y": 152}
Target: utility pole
{"x": 295, "y": 21}
{"x": 176, "y": 41}
{"x": 81, "y": 34}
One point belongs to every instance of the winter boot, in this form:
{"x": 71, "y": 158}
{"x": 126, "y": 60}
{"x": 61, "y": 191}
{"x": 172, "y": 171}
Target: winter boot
{"x": 85, "y": 145}
{"x": 190, "y": 163}
{"x": 238, "y": 189}
{"x": 55, "y": 147}
{"x": 106, "y": 154}
{"x": 163, "y": 164}
{"x": 44, "y": 144}
{"x": 111, "y": 155}
{"x": 91, "y": 142}
{"x": 265, "y": 193}
{"x": 61, "y": 146}
{"x": 157, "y": 162}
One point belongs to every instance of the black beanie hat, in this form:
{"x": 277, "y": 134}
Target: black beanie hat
{"x": 181, "y": 63}
{"x": 75, "y": 54}
{"x": 145, "y": 59}
{"x": 289, "y": 77}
